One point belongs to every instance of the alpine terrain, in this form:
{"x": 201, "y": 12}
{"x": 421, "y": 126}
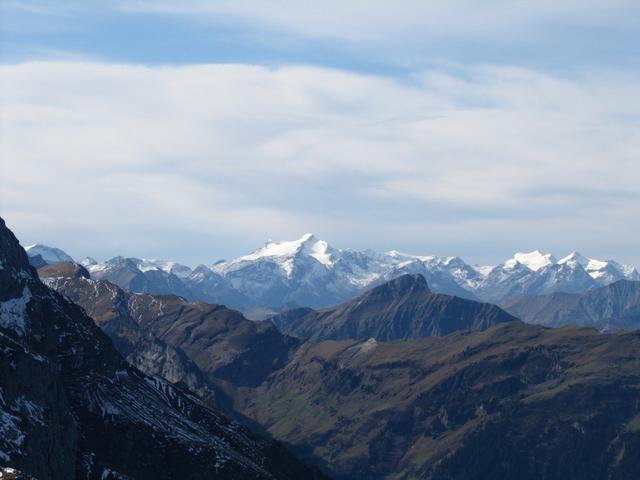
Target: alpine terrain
{"x": 308, "y": 272}
{"x": 72, "y": 407}
{"x": 509, "y": 400}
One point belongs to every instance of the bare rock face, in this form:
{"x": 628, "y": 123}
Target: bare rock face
{"x": 72, "y": 408}
{"x": 402, "y": 308}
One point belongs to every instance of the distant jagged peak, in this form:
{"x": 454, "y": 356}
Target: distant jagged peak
{"x": 397, "y": 255}
{"x": 142, "y": 264}
{"x": 167, "y": 266}
{"x": 87, "y": 261}
{"x": 483, "y": 270}
{"x": 592, "y": 265}
{"x": 308, "y": 244}
{"x": 48, "y": 254}
{"x": 453, "y": 261}
{"x": 575, "y": 257}
{"x": 534, "y": 260}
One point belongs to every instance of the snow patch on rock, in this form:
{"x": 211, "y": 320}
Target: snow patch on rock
{"x": 13, "y": 313}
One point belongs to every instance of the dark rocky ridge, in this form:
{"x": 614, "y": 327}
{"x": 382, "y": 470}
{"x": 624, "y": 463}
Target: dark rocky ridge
{"x": 182, "y": 341}
{"x": 610, "y": 308}
{"x": 72, "y": 408}
{"x": 402, "y": 308}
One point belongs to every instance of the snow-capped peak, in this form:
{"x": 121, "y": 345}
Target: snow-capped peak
{"x": 483, "y": 270}
{"x": 48, "y": 254}
{"x": 594, "y": 267}
{"x": 88, "y": 261}
{"x": 285, "y": 254}
{"x": 401, "y": 256}
{"x": 533, "y": 260}
{"x": 451, "y": 261}
{"x": 307, "y": 244}
{"x": 575, "y": 258}
{"x": 145, "y": 265}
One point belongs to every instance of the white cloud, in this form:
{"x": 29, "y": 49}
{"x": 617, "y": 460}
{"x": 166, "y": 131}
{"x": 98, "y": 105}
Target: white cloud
{"x": 106, "y": 158}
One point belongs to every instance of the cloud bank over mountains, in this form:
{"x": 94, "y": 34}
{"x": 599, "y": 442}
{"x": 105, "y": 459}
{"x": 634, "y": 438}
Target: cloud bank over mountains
{"x": 232, "y": 153}
{"x": 453, "y": 137}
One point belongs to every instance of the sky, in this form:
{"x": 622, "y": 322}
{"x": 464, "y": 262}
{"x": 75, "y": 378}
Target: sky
{"x": 196, "y": 130}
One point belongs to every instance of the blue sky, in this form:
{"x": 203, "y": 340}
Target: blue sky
{"x": 196, "y": 130}
{"x": 394, "y": 38}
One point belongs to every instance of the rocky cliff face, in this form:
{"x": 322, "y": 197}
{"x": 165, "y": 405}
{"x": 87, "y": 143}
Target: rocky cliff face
{"x": 402, "y": 308}
{"x": 71, "y": 407}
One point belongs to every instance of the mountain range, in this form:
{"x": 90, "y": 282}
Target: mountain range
{"x": 495, "y": 399}
{"x": 308, "y": 272}
{"x": 71, "y": 407}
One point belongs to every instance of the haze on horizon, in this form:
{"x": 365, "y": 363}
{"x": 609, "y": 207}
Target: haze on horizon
{"x": 197, "y": 130}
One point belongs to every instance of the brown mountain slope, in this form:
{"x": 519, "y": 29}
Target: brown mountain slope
{"x": 515, "y": 401}
{"x": 172, "y": 337}
{"x": 399, "y": 309}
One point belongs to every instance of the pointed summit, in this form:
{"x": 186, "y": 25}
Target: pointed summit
{"x": 286, "y": 253}
{"x": 401, "y": 308}
{"x": 575, "y": 258}
{"x": 307, "y": 237}
{"x": 402, "y": 285}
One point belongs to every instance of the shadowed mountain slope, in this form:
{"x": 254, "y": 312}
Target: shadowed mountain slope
{"x": 610, "y": 308}
{"x": 399, "y": 309}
